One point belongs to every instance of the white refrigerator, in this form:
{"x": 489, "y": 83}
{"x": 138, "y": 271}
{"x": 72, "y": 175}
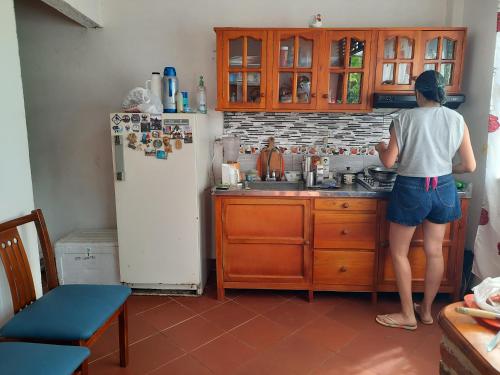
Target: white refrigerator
{"x": 162, "y": 180}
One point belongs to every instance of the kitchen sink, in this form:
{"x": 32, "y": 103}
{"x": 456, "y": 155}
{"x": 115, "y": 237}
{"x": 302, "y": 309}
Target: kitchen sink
{"x": 276, "y": 185}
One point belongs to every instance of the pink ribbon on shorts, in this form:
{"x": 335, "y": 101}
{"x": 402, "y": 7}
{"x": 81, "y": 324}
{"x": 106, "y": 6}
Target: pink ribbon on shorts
{"x": 429, "y": 181}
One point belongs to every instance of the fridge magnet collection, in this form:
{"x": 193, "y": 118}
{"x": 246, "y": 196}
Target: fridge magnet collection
{"x": 147, "y": 134}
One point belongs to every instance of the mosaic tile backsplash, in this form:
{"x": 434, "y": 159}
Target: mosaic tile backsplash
{"x": 309, "y": 133}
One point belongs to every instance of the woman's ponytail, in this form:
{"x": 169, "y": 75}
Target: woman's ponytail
{"x": 431, "y": 85}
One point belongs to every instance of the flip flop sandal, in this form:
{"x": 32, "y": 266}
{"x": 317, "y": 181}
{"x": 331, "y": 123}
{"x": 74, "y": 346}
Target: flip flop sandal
{"x": 387, "y": 321}
{"x": 416, "y": 308}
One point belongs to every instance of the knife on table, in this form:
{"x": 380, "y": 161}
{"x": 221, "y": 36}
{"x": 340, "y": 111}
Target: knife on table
{"x": 477, "y": 313}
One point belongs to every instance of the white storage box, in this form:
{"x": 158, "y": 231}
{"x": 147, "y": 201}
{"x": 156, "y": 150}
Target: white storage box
{"x": 88, "y": 257}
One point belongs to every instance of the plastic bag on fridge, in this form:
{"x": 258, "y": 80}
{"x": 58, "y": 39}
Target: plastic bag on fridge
{"x": 142, "y": 100}
{"x": 487, "y": 294}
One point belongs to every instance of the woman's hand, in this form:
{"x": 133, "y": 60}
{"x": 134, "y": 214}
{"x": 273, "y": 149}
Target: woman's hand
{"x": 381, "y": 147}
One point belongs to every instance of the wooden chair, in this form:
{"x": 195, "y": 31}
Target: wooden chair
{"x": 24, "y": 358}
{"x": 67, "y": 314}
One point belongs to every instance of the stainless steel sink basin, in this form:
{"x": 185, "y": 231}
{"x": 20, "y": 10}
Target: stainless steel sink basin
{"x": 276, "y": 185}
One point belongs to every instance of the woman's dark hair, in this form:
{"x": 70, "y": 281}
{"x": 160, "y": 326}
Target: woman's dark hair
{"x": 431, "y": 85}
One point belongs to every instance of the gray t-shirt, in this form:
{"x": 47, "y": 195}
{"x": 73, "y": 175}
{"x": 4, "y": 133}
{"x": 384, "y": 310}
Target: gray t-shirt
{"x": 428, "y": 138}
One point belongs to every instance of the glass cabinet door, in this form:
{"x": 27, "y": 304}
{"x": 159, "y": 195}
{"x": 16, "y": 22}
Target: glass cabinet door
{"x": 244, "y": 70}
{"x": 396, "y": 58}
{"x": 344, "y": 66}
{"x": 295, "y": 69}
{"x": 442, "y": 51}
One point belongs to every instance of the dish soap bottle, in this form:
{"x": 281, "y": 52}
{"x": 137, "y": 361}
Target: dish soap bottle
{"x": 202, "y": 97}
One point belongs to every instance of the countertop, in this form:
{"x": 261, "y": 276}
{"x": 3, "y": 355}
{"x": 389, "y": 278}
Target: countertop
{"x": 354, "y": 191}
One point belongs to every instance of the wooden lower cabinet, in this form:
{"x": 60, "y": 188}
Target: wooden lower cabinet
{"x": 314, "y": 244}
{"x": 262, "y": 243}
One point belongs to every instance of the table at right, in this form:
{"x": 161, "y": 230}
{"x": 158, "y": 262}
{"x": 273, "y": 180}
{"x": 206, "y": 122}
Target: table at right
{"x": 463, "y": 347}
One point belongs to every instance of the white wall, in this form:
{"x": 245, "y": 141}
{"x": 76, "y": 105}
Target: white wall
{"x": 16, "y": 194}
{"x": 85, "y": 12}
{"x": 478, "y": 74}
{"x": 74, "y": 77}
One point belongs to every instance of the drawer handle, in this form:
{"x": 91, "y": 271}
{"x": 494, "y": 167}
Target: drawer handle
{"x": 345, "y": 205}
{"x": 345, "y": 231}
{"x": 325, "y": 96}
{"x": 343, "y": 269}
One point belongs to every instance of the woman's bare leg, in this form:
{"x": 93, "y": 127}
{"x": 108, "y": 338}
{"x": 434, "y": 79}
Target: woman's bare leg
{"x": 433, "y": 246}
{"x": 399, "y": 239}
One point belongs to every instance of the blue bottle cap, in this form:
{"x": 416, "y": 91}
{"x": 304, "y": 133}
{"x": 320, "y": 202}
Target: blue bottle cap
{"x": 169, "y": 71}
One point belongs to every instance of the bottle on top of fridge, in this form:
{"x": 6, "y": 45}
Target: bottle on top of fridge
{"x": 180, "y": 102}
{"x": 202, "y": 96}
{"x": 154, "y": 84}
{"x": 170, "y": 88}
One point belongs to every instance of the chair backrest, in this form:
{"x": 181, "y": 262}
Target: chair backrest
{"x": 16, "y": 263}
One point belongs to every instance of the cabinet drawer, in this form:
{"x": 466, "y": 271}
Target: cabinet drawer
{"x": 264, "y": 262}
{"x": 416, "y": 256}
{"x": 346, "y": 204}
{"x": 352, "y": 231}
{"x": 343, "y": 267}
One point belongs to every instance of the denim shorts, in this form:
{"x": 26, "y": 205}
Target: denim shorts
{"x": 410, "y": 203}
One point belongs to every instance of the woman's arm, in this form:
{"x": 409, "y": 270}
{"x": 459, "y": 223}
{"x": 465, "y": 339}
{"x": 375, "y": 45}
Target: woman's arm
{"x": 388, "y": 154}
{"x": 467, "y": 161}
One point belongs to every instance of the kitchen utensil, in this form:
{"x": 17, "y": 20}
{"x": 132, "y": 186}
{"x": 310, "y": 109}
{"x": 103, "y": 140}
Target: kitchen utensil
{"x": 231, "y": 146}
{"x": 349, "y": 178}
{"x": 382, "y": 174}
{"x": 469, "y": 302}
{"x": 493, "y": 343}
{"x": 477, "y": 313}
{"x": 310, "y": 179}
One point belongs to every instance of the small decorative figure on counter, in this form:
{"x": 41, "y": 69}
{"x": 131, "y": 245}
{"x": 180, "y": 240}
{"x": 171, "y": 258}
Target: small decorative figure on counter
{"x": 316, "y": 21}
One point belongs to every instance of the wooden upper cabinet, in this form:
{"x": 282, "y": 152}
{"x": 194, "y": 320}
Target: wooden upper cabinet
{"x": 295, "y": 69}
{"x": 242, "y": 78}
{"x": 344, "y": 79}
{"x": 397, "y": 60}
{"x": 329, "y": 69}
{"x": 443, "y": 51}
{"x": 402, "y": 55}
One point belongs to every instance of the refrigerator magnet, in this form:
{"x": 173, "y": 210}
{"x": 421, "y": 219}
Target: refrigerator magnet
{"x": 178, "y": 144}
{"x": 145, "y": 127}
{"x": 160, "y": 154}
{"x": 149, "y": 151}
{"x": 117, "y": 129}
{"x": 136, "y": 128}
{"x": 126, "y": 119}
{"x": 155, "y": 123}
{"x": 116, "y": 119}
{"x": 188, "y": 138}
{"x": 135, "y": 118}
{"x": 157, "y": 143}
{"x": 156, "y": 134}
{"x": 167, "y": 129}
{"x": 168, "y": 148}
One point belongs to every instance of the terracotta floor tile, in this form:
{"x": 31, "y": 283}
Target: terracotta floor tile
{"x": 193, "y": 333}
{"x": 167, "y": 315}
{"x": 297, "y": 355}
{"x": 145, "y": 356}
{"x": 224, "y": 355}
{"x": 138, "y": 304}
{"x": 199, "y": 304}
{"x": 328, "y": 333}
{"x": 357, "y": 315}
{"x": 292, "y": 315}
{"x": 228, "y": 315}
{"x": 323, "y": 302}
{"x": 138, "y": 329}
{"x": 260, "y": 332}
{"x": 185, "y": 365}
{"x": 338, "y": 365}
{"x": 263, "y": 364}
{"x": 259, "y": 301}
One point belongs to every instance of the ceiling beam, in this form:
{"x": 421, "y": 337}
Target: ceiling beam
{"x": 85, "y": 12}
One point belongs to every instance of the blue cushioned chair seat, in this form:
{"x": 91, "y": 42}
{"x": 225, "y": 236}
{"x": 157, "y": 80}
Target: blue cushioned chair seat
{"x": 68, "y": 312}
{"x": 22, "y": 358}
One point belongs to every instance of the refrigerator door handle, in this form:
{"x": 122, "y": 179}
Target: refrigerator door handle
{"x": 119, "y": 162}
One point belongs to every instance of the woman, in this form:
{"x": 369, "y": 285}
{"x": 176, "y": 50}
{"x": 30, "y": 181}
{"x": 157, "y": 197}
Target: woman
{"x": 424, "y": 140}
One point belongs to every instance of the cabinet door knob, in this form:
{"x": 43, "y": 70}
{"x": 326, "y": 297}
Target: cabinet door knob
{"x": 325, "y": 96}
{"x": 345, "y": 231}
{"x": 384, "y": 243}
{"x": 343, "y": 269}
{"x": 262, "y": 95}
{"x": 345, "y": 205}
{"x": 306, "y": 242}
{"x": 313, "y": 95}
